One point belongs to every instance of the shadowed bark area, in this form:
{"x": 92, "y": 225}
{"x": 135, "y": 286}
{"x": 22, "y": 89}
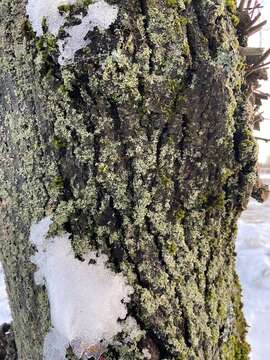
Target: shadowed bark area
{"x": 7, "y": 343}
{"x": 141, "y": 149}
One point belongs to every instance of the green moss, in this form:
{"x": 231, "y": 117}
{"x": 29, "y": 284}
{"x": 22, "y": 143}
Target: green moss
{"x": 47, "y": 49}
{"x": 241, "y": 349}
{"x": 65, "y": 8}
{"x": 57, "y": 183}
{"x": 172, "y": 248}
{"x": 171, "y": 3}
{"x": 183, "y": 20}
{"x": 87, "y": 2}
{"x": 185, "y": 47}
{"x": 175, "y": 86}
{"x": 103, "y": 168}
{"x": 235, "y": 349}
{"x": 182, "y": 99}
{"x": 216, "y": 202}
{"x": 231, "y": 5}
{"x": 235, "y": 20}
{"x": 241, "y": 66}
{"x": 241, "y": 324}
{"x": 170, "y": 140}
{"x": 27, "y": 30}
{"x": 180, "y": 215}
{"x": 63, "y": 90}
{"x": 48, "y": 43}
{"x": 44, "y": 25}
{"x": 248, "y": 148}
{"x": 225, "y": 175}
{"x": 74, "y": 8}
{"x": 58, "y": 144}
{"x": 165, "y": 180}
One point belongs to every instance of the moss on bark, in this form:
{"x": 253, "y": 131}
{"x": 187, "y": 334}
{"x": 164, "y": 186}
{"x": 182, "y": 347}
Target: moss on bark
{"x": 141, "y": 149}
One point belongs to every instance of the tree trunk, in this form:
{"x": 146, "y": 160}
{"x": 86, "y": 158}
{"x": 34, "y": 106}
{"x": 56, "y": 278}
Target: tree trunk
{"x": 141, "y": 149}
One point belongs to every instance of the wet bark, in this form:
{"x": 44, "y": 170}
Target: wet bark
{"x": 142, "y": 149}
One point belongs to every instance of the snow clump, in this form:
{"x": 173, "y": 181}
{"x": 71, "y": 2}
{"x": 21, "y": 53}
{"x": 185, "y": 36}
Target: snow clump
{"x": 86, "y": 298}
{"x": 100, "y": 14}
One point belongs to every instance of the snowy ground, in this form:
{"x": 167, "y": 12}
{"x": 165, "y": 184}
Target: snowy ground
{"x": 253, "y": 264}
{"x": 4, "y": 307}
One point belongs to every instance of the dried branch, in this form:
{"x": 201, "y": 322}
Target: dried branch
{"x": 249, "y": 4}
{"x": 251, "y": 51}
{"x": 256, "y": 28}
{"x": 259, "y": 67}
{"x": 260, "y": 191}
{"x": 261, "y": 94}
{"x": 262, "y": 139}
{"x": 256, "y": 18}
{"x": 242, "y": 5}
{"x": 251, "y": 8}
{"x": 263, "y": 58}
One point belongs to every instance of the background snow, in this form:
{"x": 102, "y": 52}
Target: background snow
{"x": 253, "y": 265}
{"x": 4, "y": 307}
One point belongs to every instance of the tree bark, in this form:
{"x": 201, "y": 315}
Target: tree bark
{"x": 142, "y": 149}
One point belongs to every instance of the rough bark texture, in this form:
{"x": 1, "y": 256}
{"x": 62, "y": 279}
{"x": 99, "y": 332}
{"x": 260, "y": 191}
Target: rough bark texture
{"x": 142, "y": 149}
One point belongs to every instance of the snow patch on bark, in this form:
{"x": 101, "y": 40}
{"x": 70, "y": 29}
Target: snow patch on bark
{"x": 100, "y": 14}
{"x": 48, "y": 9}
{"x": 86, "y": 298}
{"x": 5, "y": 315}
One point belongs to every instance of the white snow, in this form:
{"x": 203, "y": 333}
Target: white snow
{"x": 100, "y": 14}
{"x": 86, "y": 300}
{"x": 146, "y": 353}
{"x": 253, "y": 264}
{"x": 39, "y": 9}
{"x": 5, "y": 315}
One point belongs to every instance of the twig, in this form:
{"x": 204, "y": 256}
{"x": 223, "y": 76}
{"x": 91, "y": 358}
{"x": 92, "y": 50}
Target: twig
{"x": 256, "y": 18}
{"x": 242, "y": 5}
{"x": 262, "y": 66}
{"x": 249, "y": 4}
{"x": 256, "y": 28}
{"x": 251, "y": 51}
{"x": 257, "y": 7}
{"x": 262, "y": 139}
{"x": 263, "y": 57}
